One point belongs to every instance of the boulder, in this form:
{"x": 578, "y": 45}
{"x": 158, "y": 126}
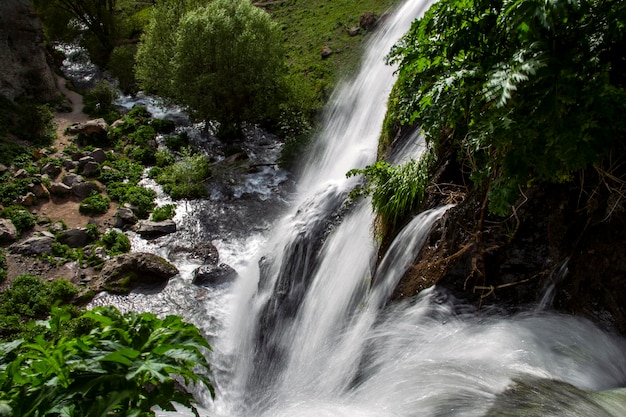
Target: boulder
{"x": 34, "y": 246}
{"x": 69, "y": 164}
{"x": 60, "y": 189}
{"x": 124, "y": 217}
{"x": 90, "y": 169}
{"x": 124, "y": 272}
{"x": 98, "y": 155}
{"x": 207, "y": 252}
{"x": 51, "y": 170}
{"x": 71, "y": 179}
{"x": 21, "y": 174}
{"x": 75, "y": 238}
{"x": 8, "y": 232}
{"x": 368, "y": 21}
{"x": 30, "y": 199}
{"x": 40, "y": 190}
{"x": 150, "y": 229}
{"x": 3, "y": 168}
{"x": 353, "y": 31}
{"x": 208, "y": 275}
{"x": 84, "y": 161}
{"x": 326, "y": 52}
{"x": 88, "y": 128}
{"x": 84, "y": 189}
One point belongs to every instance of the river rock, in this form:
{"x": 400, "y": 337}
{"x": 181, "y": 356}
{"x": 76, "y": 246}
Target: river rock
{"x": 33, "y": 246}
{"x": 207, "y": 252}
{"x": 75, "y": 238}
{"x": 60, "y": 189}
{"x": 8, "y": 232}
{"x": 124, "y": 217}
{"x": 123, "y": 272}
{"x": 148, "y": 229}
{"x": 90, "y": 127}
{"x": 208, "y": 275}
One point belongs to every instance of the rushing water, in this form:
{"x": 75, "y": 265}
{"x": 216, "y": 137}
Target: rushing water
{"x": 306, "y": 330}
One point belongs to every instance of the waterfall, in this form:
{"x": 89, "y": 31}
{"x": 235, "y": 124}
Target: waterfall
{"x": 310, "y": 335}
{"x": 310, "y": 331}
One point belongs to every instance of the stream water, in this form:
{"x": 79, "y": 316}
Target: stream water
{"x": 306, "y": 329}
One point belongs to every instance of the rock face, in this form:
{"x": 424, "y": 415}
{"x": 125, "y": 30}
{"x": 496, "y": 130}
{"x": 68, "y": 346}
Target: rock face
{"x": 125, "y": 272}
{"x": 24, "y": 69}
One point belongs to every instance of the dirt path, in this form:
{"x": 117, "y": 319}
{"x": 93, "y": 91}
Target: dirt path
{"x": 63, "y": 120}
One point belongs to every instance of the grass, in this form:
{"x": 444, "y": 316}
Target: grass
{"x": 309, "y": 25}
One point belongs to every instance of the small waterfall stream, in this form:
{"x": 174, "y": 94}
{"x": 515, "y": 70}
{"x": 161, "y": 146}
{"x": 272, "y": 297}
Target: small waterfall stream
{"x": 306, "y": 329}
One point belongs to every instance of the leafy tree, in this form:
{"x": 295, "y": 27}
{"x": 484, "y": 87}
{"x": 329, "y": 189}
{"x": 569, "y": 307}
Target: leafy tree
{"x": 224, "y": 61}
{"x": 521, "y": 90}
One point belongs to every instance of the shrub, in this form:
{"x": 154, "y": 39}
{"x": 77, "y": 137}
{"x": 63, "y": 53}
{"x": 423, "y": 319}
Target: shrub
{"x": 185, "y": 178}
{"x": 178, "y": 142}
{"x": 112, "y": 365}
{"x": 115, "y": 243}
{"x": 95, "y": 204}
{"x": 21, "y": 218}
{"x": 165, "y": 212}
{"x": 163, "y": 125}
{"x": 98, "y": 102}
{"x": 12, "y": 188}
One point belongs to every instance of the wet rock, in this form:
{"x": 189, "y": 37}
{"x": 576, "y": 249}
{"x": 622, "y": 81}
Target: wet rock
{"x": 124, "y": 272}
{"x": 148, "y": 229}
{"x": 33, "y": 246}
{"x": 208, "y": 275}
{"x": 75, "y": 238}
{"x": 207, "y": 252}
{"x": 88, "y": 128}
{"x": 8, "y": 232}
{"x": 60, "y": 189}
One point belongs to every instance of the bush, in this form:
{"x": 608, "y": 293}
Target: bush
{"x": 165, "y": 212}
{"x": 178, "y": 142}
{"x": 115, "y": 243}
{"x": 163, "y": 126}
{"x": 29, "y": 297}
{"x": 98, "y": 102}
{"x": 95, "y": 204}
{"x": 185, "y": 178}
{"x": 112, "y": 364}
{"x": 21, "y": 218}
{"x": 121, "y": 66}
{"x": 12, "y": 188}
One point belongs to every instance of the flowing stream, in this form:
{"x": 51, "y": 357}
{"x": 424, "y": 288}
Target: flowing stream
{"x": 306, "y": 329}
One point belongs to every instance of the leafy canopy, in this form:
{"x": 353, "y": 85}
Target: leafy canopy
{"x": 223, "y": 61}
{"x": 520, "y": 90}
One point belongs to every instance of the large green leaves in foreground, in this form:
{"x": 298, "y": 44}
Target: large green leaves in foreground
{"x": 109, "y": 365}
{"x": 523, "y": 90}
